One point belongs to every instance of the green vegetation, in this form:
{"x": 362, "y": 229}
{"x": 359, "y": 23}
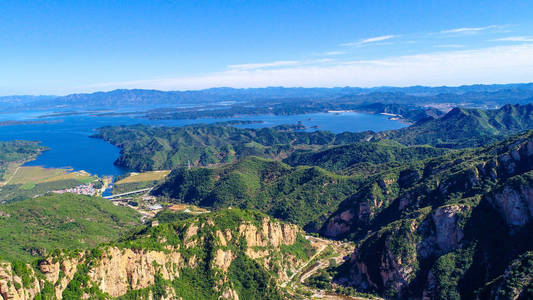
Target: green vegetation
{"x": 448, "y": 270}
{"x": 424, "y": 219}
{"x": 27, "y": 182}
{"x": 361, "y": 156}
{"x": 515, "y": 283}
{"x": 251, "y": 280}
{"x": 302, "y": 195}
{"x": 462, "y": 127}
{"x": 17, "y": 152}
{"x": 300, "y": 249}
{"x": 147, "y": 148}
{"x": 447, "y": 218}
{"x": 34, "y": 227}
{"x": 197, "y": 240}
{"x": 18, "y": 192}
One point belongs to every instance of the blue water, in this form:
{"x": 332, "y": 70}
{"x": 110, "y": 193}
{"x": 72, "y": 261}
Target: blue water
{"x": 71, "y": 146}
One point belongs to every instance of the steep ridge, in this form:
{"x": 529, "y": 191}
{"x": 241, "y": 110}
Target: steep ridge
{"x": 442, "y": 228}
{"x": 302, "y": 195}
{"x": 361, "y": 156}
{"x": 228, "y": 254}
{"x": 462, "y": 127}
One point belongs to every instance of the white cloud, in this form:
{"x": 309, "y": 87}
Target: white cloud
{"x": 280, "y": 63}
{"x": 469, "y": 29}
{"x": 331, "y": 53}
{"x": 369, "y": 41}
{"x": 455, "y": 67}
{"x": 526, "y": 39}
{"x": 456, "y": 46}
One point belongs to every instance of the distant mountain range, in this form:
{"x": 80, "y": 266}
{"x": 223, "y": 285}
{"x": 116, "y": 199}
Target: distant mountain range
{"x": 497, "y": 94}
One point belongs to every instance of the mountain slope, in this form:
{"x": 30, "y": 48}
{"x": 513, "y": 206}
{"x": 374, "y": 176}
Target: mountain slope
{"x": 432, "y": 228}
{"x": 146, "y": 148}
{"x": 228, "y": 254}
{"x": 301, "y": 195}
{"x": 40, "y": 225}
{"x": 461, "y": 127}
{"x": 360, "y": 155}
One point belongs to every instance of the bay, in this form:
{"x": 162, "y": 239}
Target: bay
{"x": 71, "y": 146}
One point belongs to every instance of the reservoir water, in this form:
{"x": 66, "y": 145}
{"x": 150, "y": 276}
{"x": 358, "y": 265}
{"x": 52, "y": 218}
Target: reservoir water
{"x": 71, "y": 146}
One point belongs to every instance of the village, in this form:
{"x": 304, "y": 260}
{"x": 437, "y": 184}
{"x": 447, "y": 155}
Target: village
{"x": 138, "y": 198}
{"x": 83, "y": 189}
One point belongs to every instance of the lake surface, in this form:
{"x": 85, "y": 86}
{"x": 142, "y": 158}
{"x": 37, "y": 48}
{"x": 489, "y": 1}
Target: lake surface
{"x": 71, "y": 145}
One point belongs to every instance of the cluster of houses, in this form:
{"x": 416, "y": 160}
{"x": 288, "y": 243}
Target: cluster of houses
{"x": 88, "y": 190}
{"x": 149, "y": 202}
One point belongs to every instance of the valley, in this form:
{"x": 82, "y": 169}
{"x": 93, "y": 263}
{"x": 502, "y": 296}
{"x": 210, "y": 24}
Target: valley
{"x": 266, "y": 150}
{"x": 284, "y": 212}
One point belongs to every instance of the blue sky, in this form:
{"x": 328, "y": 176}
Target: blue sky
{"x": 60, "y": 47}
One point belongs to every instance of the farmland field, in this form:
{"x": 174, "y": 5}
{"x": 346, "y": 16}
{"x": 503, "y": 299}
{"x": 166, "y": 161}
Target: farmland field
{"x": 146, "y": 176}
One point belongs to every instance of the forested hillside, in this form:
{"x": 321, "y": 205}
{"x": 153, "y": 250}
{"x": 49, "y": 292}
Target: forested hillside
{"x": 301, "y": 195}
{"x": 362, "y": 157}
{"x": 35, "y": 227}
{"x": 425, "y": 220}
{"x": 463, "y": 127}
{"x": 304, "y": 195}
{"x": 17, "y": 151}
{"x": 231, "y": 254}
{"x": 145, "y": 148}
{"x": 443, "y": 228}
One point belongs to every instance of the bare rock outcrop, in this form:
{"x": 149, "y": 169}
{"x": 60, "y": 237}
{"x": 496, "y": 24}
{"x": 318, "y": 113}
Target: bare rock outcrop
{"x": 13, "y": 287}
{"x": 448, "y": 233}
{"x": 117, "y": 270}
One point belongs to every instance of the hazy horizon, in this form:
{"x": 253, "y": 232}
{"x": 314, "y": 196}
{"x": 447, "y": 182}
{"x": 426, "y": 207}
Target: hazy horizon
{"x": 266, "y": 87}
{"x": 63, "y": 48}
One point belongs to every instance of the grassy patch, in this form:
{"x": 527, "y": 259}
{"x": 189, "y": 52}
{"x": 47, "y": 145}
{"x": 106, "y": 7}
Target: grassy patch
{"x": 37, "y": 226}
{"x": 146, "y": 176}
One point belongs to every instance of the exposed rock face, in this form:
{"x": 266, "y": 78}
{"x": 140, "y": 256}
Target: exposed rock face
{"x": 53, "y": 267}
{"x": 381, "y": 264}
{"x": 515, "y": 204}
{"x": 12, "y": 286}
{"x": 365, "y": 205}
{"x": 223, "y": 259}
{"x": 448, "y": 233}
{"x": 448, "y": 206}
{"x": 119, "y": 270}
{"x": 272, "y": 233}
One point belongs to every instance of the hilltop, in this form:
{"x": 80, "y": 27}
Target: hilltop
{"x": 296, "y": 194}
{"x": 229, "y": 254}
{"x": 146, "y": 148}
{"x": 35, "y": 227}
{"x": 431, "y": 228}
{"x": 463, "y": 127}
{"x": 363, "y": 156}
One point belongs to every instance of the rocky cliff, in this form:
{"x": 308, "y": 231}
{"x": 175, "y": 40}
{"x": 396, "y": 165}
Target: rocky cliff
{"x": 201, "y": 257}
{"x": 442, "y": 228}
